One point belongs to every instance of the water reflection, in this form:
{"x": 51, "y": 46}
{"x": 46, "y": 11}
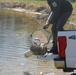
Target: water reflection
{"x": 14, "y": 31}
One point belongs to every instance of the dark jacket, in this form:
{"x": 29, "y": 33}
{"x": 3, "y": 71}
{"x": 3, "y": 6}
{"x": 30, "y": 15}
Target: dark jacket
{"x": 58, "y": 7}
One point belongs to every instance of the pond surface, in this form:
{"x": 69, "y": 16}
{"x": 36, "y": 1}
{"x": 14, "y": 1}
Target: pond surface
{"x": 14, "y": 32}
{"x": 15, "y": 28}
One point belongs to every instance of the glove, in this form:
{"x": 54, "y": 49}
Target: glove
{"x": 46, "y": 26}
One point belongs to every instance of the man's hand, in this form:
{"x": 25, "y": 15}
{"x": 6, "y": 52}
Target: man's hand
{"x": 46, "y": 26}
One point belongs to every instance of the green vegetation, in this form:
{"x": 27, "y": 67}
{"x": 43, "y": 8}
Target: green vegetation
{"x": 42, "y": 1}
{"x": 21, "y": 0}
{"x": 74, "y": 4}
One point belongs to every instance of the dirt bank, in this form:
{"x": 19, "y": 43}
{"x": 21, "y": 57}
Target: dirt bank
{"x": 39, "y": 9}
{"x": 33, "y": 6}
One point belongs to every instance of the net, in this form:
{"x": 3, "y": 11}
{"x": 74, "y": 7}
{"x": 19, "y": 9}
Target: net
{"x": 41, "y": 41}
{"x": 42, "y": 34}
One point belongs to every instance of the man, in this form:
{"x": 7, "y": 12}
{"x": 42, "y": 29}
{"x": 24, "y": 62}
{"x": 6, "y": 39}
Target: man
{"x": 60, "y": 12}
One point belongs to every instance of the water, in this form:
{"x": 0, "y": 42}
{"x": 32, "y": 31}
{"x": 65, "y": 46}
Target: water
{"x": 13, "y": 42}
{"x": 14, "y": 31}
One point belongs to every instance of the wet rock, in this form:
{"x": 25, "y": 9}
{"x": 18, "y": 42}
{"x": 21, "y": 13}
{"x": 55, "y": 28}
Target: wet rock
{"x": 27, "y": 73}
{"x": 40, "y": 9}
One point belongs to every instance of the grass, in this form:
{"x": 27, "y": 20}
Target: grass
{"x": 74, "y": 4}
{"x": 22, "y": 0}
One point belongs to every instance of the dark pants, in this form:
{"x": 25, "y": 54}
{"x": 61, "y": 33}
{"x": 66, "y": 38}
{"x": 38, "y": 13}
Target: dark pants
{"x": 58, "y": 26}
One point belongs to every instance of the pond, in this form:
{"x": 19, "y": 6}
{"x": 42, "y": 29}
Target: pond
{"x": 15, "y": 28}
{"x": 14, "y": 31}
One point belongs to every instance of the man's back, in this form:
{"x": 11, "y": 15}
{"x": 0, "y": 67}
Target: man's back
{"x": 62, "y": 5}
{"x": 66, "y": 6}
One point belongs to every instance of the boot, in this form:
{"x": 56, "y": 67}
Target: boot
{"x": 53, "y": 50}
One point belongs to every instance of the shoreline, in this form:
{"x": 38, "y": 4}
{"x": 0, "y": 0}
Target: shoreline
{"x": 24, "y": 10}
{"x": 35, "y": 13}
{"x": 39, "y": 11}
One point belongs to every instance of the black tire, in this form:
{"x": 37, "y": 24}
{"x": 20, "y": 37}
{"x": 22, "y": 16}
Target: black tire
{"x": 67, "y": 70}
{"x": 73, "y": 74}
